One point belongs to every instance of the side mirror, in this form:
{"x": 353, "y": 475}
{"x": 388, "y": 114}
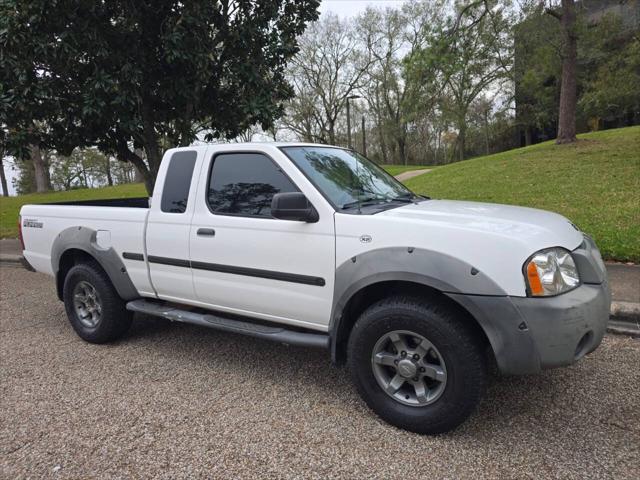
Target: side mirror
{"x": 293, "y": 206}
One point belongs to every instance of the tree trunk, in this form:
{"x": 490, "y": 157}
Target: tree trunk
{"x": 402, "y": 150}
{"x": 108, "y": 171}
{"x": 3, "y": 178}
{"x": 154, "y": 157}
{"x": 567, "y": 117}
{"x": 138, "y": 176}
{"x": 41, "y": 170}
{"x": 151, "y": 146}
{"x": 383, "y": 144}
{"x": 332, "y": 132}
{"x": 462, "y": 140}
{"x": 486, "y": 132}
{"x": 124, "y": 154}
{"x": 527, "y": 136}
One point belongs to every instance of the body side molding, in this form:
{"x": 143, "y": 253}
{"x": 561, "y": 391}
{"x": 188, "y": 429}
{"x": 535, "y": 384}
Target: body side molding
{"x": 231, "y": 269}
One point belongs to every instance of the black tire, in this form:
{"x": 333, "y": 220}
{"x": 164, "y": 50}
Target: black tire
{"x": 114, "y": 319}
{"x": 458, "y": 346}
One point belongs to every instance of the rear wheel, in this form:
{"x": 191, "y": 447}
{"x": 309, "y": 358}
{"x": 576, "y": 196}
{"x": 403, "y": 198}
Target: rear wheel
{"x": 94, "y": 308}
{"x": 416, "y": 364}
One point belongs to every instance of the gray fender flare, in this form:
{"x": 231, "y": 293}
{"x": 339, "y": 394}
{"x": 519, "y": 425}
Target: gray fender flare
{"x": 84, "y": 239}
{"x": 439, "y": 271}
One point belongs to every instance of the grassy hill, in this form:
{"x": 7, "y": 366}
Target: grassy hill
{"x": 595, "y": 183}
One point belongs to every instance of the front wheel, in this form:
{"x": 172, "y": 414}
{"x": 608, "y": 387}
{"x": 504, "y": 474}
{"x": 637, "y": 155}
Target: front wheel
{"x": 94, "y": 308}
{"x": 416, "y": 364}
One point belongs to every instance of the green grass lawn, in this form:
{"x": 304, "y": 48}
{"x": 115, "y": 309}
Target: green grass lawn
{"x": 10, "y": 206}
{"x": 595, "y": 183}
{"x": 398, "y": 169}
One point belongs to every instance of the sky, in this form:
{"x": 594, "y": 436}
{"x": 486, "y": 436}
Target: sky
{"x": 342, "y": 8}
{"x": 351, "y": 8}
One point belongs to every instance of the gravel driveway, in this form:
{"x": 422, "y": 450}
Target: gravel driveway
{"x": 178, "y": 401}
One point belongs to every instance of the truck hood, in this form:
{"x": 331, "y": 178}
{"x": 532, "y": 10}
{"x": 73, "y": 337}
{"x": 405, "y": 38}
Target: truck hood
{"x": 535, "y": 228}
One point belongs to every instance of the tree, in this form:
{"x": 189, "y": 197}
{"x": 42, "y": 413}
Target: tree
{"x": 329, "y": 68}
{"x": 568, "y": 82}
{"x": 147, "y": 74}
{"x": 3, "y": 150}
{"x": 391, "y": 36}
{"x": 477, "y": 57}
{"x": 468, "y": 55}
{"x": 3, "y": 178}
{"x": 41, "y": 164}
{"x": 537, "y": 47}
{"x": 610, "y": 53}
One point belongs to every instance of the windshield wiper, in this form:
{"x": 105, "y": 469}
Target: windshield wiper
{"x": 363, "y": 202}
{"x": 407, "y": 198}
{"x": 403, "y": 199}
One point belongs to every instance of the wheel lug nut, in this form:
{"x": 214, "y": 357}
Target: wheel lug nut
{"x": 416, "y": 356}
{"x": 422, "y": 369}
{"x": 404, "y": 354}
{"x": 395, "y": 361}
{"x": 415, "y": 379}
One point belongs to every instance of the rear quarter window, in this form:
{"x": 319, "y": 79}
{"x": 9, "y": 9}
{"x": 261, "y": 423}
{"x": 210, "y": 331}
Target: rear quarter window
{"x": 175, "y": 194}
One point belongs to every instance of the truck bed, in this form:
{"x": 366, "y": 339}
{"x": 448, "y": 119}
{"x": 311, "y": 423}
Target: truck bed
{"x": 119, "y": 224}
{"x": 138, "y": 202}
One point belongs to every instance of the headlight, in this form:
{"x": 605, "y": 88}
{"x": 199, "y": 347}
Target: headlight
{"x": 550, "y": 272}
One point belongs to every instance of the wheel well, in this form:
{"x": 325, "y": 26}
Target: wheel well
{"x": 68, "y": 259}
{"x": 371, "y": 294}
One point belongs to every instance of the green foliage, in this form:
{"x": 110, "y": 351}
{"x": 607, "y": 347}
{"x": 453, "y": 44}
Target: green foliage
{"x": 464, "y": 57}
{"x": 612, "y": 59}
{"x": 537, "y": 69}
{"x": 608, "y": 72}
{"x": 120, "y": 74}
{"x": 595, "y": 183}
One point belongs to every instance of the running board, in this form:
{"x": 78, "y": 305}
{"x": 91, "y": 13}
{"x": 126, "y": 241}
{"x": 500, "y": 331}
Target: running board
{"x": 267, "y": 332}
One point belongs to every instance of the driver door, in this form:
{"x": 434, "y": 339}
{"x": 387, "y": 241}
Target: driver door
{"x": 245, "y": 261}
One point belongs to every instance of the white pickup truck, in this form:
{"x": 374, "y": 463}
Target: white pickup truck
{"x": 315, "y": 246}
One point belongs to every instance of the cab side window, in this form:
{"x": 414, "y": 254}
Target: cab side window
{"x": 175, "y": 193}
{"x": 244, "y": 184}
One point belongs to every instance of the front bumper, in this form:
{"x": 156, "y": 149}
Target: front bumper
{"x": 567, "y": 327}
{"x": 531, "y": 334}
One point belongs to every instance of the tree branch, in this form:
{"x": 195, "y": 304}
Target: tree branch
{"x": 553, "y": 13}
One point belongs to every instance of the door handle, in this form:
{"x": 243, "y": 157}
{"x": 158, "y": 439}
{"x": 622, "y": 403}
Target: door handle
{"x": 206, "y": 232}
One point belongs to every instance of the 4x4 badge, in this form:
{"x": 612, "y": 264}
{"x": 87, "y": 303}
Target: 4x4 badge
{"x": 365, "y": 238}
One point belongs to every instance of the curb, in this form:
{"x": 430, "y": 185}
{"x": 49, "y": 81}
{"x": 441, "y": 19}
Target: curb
{"x": 624, "y": 318}
{"x": 630, "y": 329}
{"x": 10, "y": 259}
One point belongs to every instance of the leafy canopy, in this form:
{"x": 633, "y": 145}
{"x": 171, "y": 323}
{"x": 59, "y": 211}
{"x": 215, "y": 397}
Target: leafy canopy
{"x": 151, "y": 73}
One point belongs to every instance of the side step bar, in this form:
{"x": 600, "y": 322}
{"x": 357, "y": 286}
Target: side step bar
{"x": 210, "y": 320}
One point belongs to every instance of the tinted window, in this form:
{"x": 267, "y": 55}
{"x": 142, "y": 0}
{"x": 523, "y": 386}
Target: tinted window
{"x": 177, "y": 182}
{"x": 245, "y": 183}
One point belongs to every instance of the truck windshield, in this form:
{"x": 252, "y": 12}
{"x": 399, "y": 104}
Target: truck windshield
{"x": 346, "y": 178}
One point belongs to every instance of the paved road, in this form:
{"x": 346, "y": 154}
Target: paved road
{"x": 177, "y": 401}
{"x": 410, "y": 174}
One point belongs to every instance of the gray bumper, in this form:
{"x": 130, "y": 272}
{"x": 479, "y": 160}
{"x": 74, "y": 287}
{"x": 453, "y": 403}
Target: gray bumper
{"x": 531, "y": 334}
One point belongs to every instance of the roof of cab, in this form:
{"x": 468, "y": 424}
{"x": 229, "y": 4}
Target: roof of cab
{"x": 254, "y": 145}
